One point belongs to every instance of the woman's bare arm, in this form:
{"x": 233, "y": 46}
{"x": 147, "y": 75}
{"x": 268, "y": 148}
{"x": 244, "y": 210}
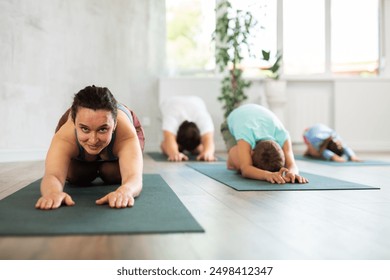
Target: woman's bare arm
{"x": 57, "y": 162}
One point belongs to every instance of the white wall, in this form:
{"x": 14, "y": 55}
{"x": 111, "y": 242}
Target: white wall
{"x": 50, "y": 49}
{"x": 362, "y": 113}
{"x": 308, "y": 102}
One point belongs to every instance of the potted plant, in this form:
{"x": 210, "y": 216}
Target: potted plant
{"x": 231, "y": 35}
{"x": 275, "y": 89}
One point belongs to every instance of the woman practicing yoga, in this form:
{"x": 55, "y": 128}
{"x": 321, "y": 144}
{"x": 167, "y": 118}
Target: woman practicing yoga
{"x": 96, "y": 137}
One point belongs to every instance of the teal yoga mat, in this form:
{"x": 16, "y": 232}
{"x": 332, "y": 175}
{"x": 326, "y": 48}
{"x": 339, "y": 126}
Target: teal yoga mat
{"x": 234, "y": 180}
{"x": 347, "y": 163}
{"x": 158, "y": 156}
{"x": 156, "y": 210}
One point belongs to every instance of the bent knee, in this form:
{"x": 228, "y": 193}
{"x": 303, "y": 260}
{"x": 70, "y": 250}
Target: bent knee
{"x": 82, "y": 179}
{"x": 109, "y": 172}
{"x": 80, "y": 173}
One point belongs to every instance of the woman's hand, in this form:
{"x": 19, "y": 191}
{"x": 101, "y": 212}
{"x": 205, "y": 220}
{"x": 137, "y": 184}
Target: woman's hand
{"x": 121, "y": 198}
{"x": 54, "y": 200}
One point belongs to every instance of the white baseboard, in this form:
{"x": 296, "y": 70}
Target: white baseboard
{"x": 22, "y": 155}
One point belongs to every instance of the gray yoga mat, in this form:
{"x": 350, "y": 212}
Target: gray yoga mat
{"x": 156, "y": 210}
{"x": 218, "y": 172}
{"x": 347, "y": 163}
{"x": 158, "y": 156}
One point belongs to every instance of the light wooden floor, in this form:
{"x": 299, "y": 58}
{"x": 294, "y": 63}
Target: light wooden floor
{"x": 302, "y": 225}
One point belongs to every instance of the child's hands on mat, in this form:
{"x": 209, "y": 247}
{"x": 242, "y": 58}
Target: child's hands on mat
{"x": 121, "y": 198}
{"x": 206, "y": 156}
{"x": 277, "y": 177}
{"x": 291, "y": 177}
{"x": 177, "y": 157}
{"x": 337, "y": 158}
{"x": 54, "y": 200}
{"x": 355, "y": 159}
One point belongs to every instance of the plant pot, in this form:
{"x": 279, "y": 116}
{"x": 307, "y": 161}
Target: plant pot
{"x": 275, "y": 92}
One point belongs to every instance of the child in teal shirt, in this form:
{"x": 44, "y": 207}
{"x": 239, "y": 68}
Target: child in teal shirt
{"x": 259, "y": 146}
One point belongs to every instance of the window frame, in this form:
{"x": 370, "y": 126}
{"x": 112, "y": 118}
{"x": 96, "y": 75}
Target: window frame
{"x": 328, "y": 74}
{"x": 328, "y": 42}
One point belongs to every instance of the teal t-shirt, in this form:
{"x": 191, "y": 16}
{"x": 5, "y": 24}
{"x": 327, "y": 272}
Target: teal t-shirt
{"x": 252, "y": 123}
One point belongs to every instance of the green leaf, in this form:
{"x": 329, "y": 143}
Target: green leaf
{"x": 266, "y": 55}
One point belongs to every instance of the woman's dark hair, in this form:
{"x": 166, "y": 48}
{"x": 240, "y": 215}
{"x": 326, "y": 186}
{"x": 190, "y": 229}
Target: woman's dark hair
{"x": 267, "y": 155}
{"x": 188, "y": 136}
{"x": 95, "y": 98}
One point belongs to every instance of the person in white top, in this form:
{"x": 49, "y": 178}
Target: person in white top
{"x": 187, "y": 127}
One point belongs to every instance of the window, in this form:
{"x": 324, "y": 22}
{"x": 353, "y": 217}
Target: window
{"x": 303, "y": 37}
{"x": 355, "y": 42}
{"x": 354, "y": 37}
{"x": 265, "y": 33}
{"x": 190, "y": 24}
{"x": 340, "y": 37}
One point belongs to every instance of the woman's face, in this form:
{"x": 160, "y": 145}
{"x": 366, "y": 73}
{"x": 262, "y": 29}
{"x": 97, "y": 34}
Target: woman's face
{"x": 94, "y": 129}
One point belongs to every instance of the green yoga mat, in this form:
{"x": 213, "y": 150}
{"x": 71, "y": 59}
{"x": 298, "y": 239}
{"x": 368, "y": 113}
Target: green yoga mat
{"x": 156, "y": 210}
{"x": 158, "y": 156}
{"x": 234, "y": 180}
{"x": 347, "y": 163}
